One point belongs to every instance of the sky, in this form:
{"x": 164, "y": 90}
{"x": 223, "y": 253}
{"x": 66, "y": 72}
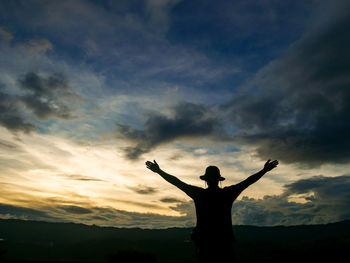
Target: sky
{"x": 90, "y": 90}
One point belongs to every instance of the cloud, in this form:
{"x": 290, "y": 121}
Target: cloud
{"x": 47, "y": 97}
{"x": 80, "y": 177}
{"x": 186, "y": 209}
{"x": 10, "y": 115}
{"x": 12, "y": 211}
{"x": 187, "y": 120}
{"x": 37, "y": 45}
{"x": 75, "y": 209}
{"x": 144, "y": 190}
{"x": 5, "y": 36}
{"x": 134, "y": 56}
{"x": 170, "y": 200}
{"x": 324, "y": 200}
{"x": 106, "y": 216}
{"x": 138, "y": 204}
{"x": 320, "y": 200}
{"x": 122, "y": 218}
{"x": 10, "y": 146}
{"x": 296, "y": 108}
{"x": 158, "y": 12}
{"x": 325, "y": 189}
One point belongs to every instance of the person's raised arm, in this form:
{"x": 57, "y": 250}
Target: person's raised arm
{"x": 255, "y": 177}
{"x": 154, "y": 167}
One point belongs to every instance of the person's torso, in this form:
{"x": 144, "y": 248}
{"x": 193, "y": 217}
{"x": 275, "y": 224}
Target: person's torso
{"x": 213, "y": 209}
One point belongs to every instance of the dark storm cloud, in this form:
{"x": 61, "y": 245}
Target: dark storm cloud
{"x": 144, "y": 190}
{"x": 13, "y": 211}
{"x": 187, "y": 120}
{"x": 297, "y": 107}
{"x": 325, "y": 189}
{"x": 327, "y": 200}
{"x": 75, "y": 209}
{"x": 46, "y": 97}
{"x": 233, "y": 29}
{"x": 10, "y": 115}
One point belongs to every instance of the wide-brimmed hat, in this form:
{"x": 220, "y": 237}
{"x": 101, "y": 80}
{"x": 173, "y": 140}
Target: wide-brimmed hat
{"x": 212, "y": 172}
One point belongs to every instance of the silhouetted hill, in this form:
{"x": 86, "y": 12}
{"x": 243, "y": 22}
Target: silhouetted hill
{"x": 43, "y": 241}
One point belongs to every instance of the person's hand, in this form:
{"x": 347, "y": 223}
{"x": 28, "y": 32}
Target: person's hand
{"x": 154, "y": 167}
{"x": 270, "y": 165}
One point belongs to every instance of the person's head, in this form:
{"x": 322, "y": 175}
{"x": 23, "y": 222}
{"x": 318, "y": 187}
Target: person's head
{"x": 212, "y": 176}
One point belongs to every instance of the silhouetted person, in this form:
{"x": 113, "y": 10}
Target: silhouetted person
{"x": 213, "y": 235}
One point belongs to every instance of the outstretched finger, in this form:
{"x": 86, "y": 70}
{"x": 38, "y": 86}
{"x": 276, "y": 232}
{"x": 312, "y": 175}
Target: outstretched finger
{"x": 155, "y": 162}
{"x": 274, "y": 163}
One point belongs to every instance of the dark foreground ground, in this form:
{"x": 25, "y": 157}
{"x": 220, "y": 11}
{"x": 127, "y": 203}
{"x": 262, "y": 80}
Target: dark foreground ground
{"x": 30, "y": 241}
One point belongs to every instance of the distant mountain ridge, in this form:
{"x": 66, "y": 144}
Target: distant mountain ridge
{"x": 44, "y": 241}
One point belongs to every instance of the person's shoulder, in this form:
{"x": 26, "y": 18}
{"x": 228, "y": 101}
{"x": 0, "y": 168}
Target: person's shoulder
{"x": 195, "y": 188}
{"x": 193, "y": 191}
{"x": 230, "y": 188}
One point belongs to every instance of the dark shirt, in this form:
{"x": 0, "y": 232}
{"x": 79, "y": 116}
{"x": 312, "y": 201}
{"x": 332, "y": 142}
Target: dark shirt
{"x": 213, "y": 210}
